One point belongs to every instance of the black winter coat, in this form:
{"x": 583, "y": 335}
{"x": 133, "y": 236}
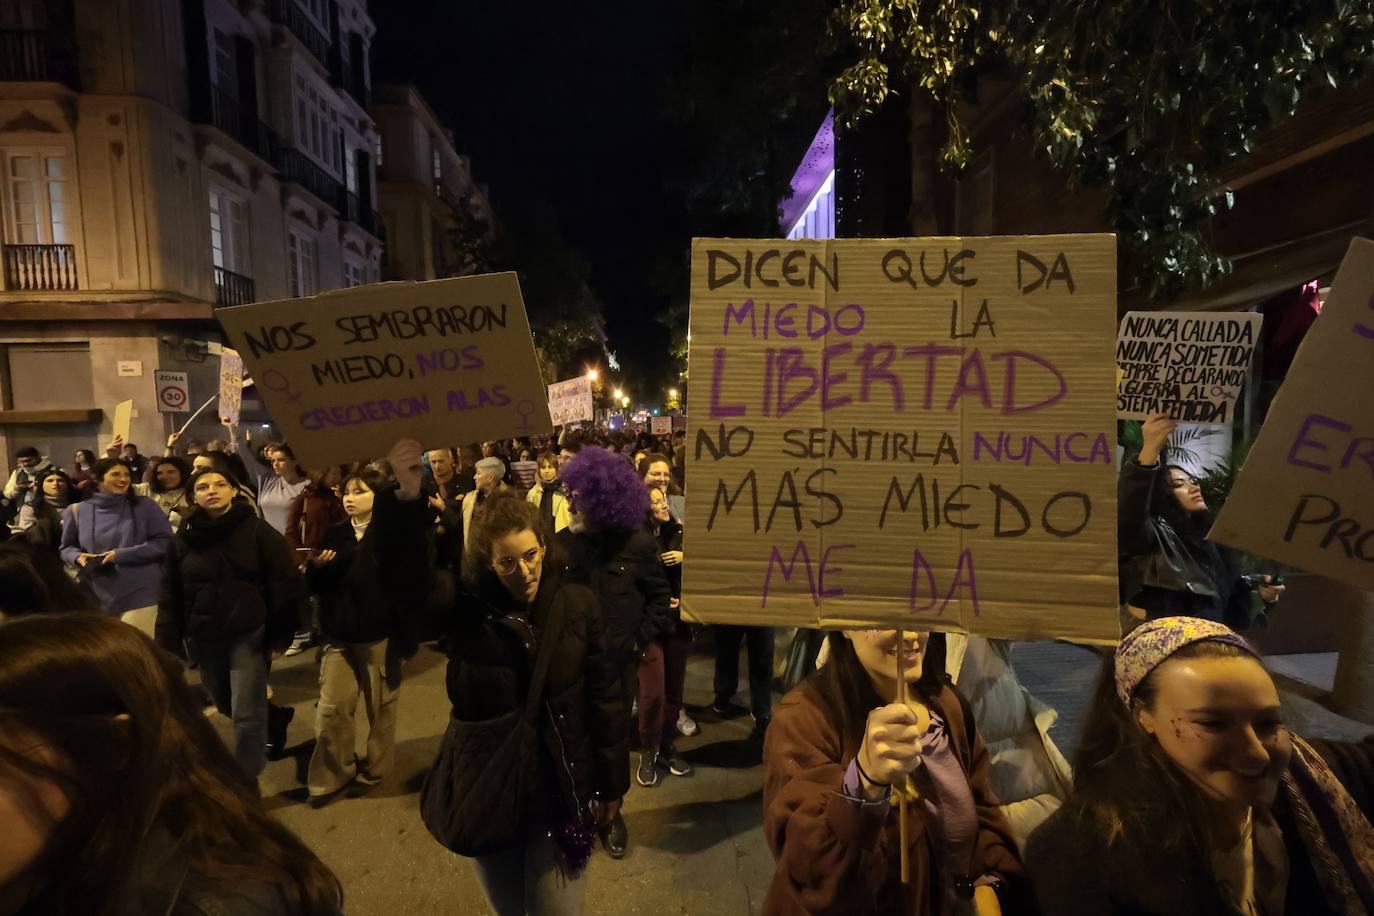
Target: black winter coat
{"x": 1136, "y": 540}
{"x": 623, "y": 570}
{"x": 584, "y": 724}
{"x": 225, "y": 577}
{"x": 356, "y": 604}
{"x": 669, "y": 537}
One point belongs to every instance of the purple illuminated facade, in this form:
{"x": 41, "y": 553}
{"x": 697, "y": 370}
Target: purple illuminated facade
{"x": 810, "y": 212}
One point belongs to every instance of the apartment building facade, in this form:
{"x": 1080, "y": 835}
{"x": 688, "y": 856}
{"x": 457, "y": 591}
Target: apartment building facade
{"x": 434, "y": 211}
{"x": 162, "y": 158}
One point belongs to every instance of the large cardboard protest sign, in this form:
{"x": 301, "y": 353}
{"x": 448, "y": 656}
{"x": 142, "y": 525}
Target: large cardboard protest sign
{"x": 346, "y": 373}
{"x": 230, "y": 386}
{"x": 1306, "y": 493}
{"x": 914, "y": 432}
{"x": 571, "y": 401}
{"x": 1189, "y": 365}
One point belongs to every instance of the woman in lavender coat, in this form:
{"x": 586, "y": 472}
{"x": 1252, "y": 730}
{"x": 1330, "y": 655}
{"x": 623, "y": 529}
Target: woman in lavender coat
{"x": 116, "y": 539}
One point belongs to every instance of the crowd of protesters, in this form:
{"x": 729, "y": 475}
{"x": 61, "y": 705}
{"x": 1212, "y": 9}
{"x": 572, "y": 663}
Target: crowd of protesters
{"x": 549, "y": 570}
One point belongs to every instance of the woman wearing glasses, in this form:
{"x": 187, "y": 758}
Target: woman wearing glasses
{"x": 534, "y": 759}
{"x": 1168, "y": 567}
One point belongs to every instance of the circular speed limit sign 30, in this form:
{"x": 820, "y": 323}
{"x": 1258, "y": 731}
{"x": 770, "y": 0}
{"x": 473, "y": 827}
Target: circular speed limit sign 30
{"x": 172, "y": 393}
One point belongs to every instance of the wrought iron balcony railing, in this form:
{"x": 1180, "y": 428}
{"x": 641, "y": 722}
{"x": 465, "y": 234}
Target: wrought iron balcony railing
{"x": 232, "y": 288}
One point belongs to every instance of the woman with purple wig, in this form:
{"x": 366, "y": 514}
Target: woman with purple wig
{"x": 607, "y": 549}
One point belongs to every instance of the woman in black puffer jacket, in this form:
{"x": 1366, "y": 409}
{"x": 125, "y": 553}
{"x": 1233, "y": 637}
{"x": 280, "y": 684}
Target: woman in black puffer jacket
{"x": 581, "y": 764}
{"x": 366, "y": 628}
{"x": 231, "y": 590}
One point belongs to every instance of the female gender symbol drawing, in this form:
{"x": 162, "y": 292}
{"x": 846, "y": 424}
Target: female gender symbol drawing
{"x": 525, "y": 408}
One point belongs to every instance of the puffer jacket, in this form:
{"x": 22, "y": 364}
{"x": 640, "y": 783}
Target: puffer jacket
{"x": 623, "y": 570}
{"x": 584, "y": 727}
{"x": 585, "y": 724}
{"x": 357, "y": 605}
{"x": 224, "y": 578}
{"x": 1029, "y": 775}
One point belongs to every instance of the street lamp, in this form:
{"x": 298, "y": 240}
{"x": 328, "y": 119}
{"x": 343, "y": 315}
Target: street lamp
{"x": 619, "y": 393}
{"x": 591, "y": 375}
{"x": 624, "y": 401}
{"x": 672, "y": 392}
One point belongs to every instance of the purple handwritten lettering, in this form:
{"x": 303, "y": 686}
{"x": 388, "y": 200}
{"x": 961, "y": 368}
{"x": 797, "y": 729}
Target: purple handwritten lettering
{"x": 717, "y": 383}
{"x": 1302, "y": 441}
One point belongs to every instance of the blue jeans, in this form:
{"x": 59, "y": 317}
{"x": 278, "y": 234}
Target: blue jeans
{"x": 529, "y": 881}
{"x": 235, "y": 674}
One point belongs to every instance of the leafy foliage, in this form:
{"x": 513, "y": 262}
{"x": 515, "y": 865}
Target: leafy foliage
{"x": 1145, "y": 98}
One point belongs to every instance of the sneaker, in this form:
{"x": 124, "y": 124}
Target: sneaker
{"x": 686, "y": 725}
{"x": 674, "y": 762}
{"x": 298, "y": 645}
{"x": 647, "y": 774}
{"x": 319, "y": 801}
{"x": 361, "y": 785}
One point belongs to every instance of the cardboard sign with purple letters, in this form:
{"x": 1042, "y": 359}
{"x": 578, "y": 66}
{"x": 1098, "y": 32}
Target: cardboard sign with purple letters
{"x": 1305, "y": 495}
{"x": 348, "y": 372}
{"x": 904, "y": 432}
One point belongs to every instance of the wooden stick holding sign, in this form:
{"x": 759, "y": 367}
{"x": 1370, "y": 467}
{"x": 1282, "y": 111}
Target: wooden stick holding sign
{"x": 199, "y": 410}
{"x": 905, "y": 788}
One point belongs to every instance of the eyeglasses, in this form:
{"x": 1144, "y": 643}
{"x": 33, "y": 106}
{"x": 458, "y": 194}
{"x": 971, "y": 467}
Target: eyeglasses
{"x": 506, "y": 566}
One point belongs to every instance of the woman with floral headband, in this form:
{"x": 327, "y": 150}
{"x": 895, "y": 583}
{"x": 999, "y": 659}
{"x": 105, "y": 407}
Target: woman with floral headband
{"x": 1192, "y": 798}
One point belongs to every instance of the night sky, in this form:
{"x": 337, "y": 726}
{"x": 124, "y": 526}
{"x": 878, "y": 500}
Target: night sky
{"x": 562, "y": 111}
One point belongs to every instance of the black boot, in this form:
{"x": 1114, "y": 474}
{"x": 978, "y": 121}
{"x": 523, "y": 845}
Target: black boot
{"x": 278, "y": 718}
{"x": 616, "y": 837}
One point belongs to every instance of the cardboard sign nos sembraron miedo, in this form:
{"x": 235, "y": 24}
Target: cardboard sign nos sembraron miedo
{"x": 905, "y": 432}
{"x": 348, "y": 372}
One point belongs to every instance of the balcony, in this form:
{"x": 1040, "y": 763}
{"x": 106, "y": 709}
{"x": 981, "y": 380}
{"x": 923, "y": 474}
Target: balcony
{"x": 40, "y": 267}
{"x": 232, "y": 288}
{"x": 35, "y": 56}
{"x": 358, "y": 211}
{"x": 288, "y": 13}
{"x": 296, "y": 166}
{"x": 228, "y": 115}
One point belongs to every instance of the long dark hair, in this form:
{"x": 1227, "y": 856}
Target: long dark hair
{"x": 844, "y": 685}
{"x": 1123, "y": 780}
{"x": 33, "y": 580}
{"x": 184, "y": 469}
{"x": 45, "y": 508}
{"x": 136, "y": 756}
{"x": 194, "y": 510}
{"x": 1164, "y": 504}
{"x": 103, "y": 467}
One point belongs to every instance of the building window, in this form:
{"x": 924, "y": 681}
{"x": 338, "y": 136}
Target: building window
{"x": 228, "y": 232}
{"x": 302, "y": 262}
{"x": 378, "y": 150}
{"x": 351, "y": 170}
{"x": 317, "y": 125}
{"x": 226, "y": 64}
{"x": 317, "y": 10}
{"x": 39, "y": 195}
{"x": 438, "y": 159}
{"x": 354, "y": 274}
